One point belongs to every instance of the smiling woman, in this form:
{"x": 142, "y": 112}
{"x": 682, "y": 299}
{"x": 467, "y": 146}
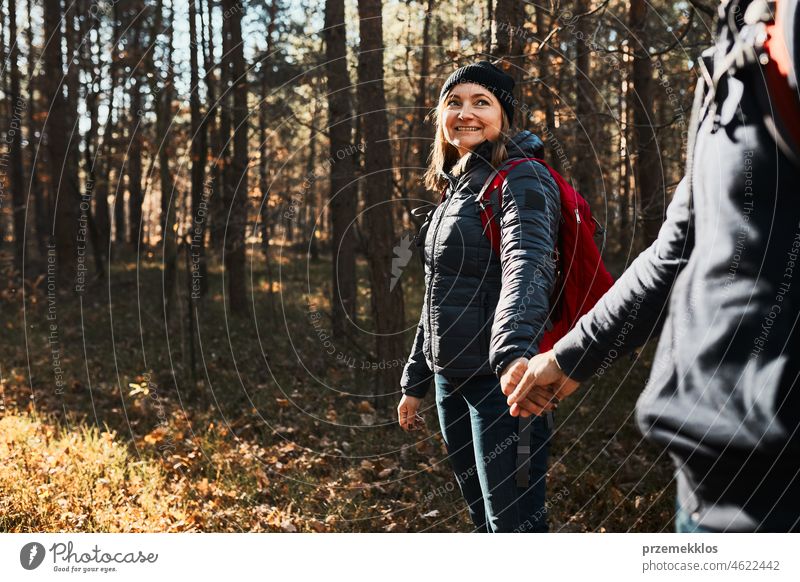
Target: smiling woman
{"x": 471, "y": 115}
{"x": 472, "y": 330}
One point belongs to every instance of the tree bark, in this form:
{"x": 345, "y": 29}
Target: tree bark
{"x": 200, "y": 201}
{"x": 509, "y": 45}
{"x": 164, "y": 98}
{"x": 266, "y": 214}
{"x": 63, "y": 156}
{"x": 387, "y": 303}
{"x": 585, "y": 173}
{"x": 90, "y": 61}
{"x": 343, "y": 195}
{"x": 555, "y": 151}
{"x": 421, "y": 105}
{"x": 102, "y": 209}
{"x": 648, "y": 171}
{"x": 236, "y": 188}
{"x": 16, "y": 108}
{"x": 39, "y": 199}
{"x": 135, "y": 190}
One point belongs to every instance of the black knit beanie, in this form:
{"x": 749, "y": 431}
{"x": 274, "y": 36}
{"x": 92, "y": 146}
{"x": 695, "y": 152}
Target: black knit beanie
{"x": 486, "y": 74}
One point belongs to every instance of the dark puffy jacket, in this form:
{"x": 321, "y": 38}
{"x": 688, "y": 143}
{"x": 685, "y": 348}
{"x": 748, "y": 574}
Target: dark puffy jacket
{"x": 481, "y": 312}
{"x": 721, "y": 283}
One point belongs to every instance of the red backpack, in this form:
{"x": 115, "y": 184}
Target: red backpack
{"x": 581, "y": 276}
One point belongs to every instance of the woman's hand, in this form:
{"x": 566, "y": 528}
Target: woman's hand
{"x": 512, "y": 375}
{"x": 407, "y": 412}
{"x": 541, "y": 387}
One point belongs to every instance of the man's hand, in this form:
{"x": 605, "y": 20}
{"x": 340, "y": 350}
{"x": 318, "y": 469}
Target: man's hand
{"x": 541, "y": 387}
{"x": 512, "y": 375}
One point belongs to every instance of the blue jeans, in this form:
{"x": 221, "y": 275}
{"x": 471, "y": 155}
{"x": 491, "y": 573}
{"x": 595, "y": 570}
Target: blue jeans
{"x": 481, "y": 438}
{"x": 684, "y": 523}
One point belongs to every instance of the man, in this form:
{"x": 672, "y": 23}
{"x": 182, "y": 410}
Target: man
{"x": 722, "y": 283}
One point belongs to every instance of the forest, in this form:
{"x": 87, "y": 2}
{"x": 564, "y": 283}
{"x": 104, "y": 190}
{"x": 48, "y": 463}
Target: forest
{"x": 209, "y": 289}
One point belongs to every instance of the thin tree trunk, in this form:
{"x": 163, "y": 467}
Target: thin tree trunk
{"x": 421, "y": 105}
{"x": 40, "y": 202}
{"x": 16, "y": 108}
{"x": 135, "y": 191}
{"x": 236, "y": 189}
{"x": 263, "y": 153}
{"x": 387, "y": 302}
{"x": 163, "y": 115}
{"x": 213, "y": 128}
{"x": 63, "y": 158}
{"x": 308, "y": 209}
{"x": 648, "y": 171}
{"x": 510, "y": 45}
{"x": 487, "y": 35}
{"x": 102, "y": 209}
{"x": 219, "y": 211}
{"x": 585, "y": 174}
{"x": 546, "y": 94}
{"x": 200, "y": 202}
{"x": 343, "y": 195}
{"x": 90, "y": 58}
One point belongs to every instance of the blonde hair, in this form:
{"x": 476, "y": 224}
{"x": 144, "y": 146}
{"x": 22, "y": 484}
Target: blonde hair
{"x": 444, "y": 156}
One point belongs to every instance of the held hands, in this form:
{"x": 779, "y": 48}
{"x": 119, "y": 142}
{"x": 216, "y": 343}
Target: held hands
{"x": 538, "y": 388}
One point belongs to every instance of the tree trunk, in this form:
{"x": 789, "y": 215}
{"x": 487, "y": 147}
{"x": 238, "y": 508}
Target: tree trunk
{"x": 135, "y": 192}
{"x": 102, "y": 210}
{"x": 16, "y": 107}
{"x": 421, "y": 105}
{"x": 40, "y": 202}
{"x": 648, "y": 171}
{"x": 510, "y": 46}
{"x": 90, "y": 58}
{"x": 63, "y": 156}
{"x": 546, "y": 94}
{"x": 163, "y": 100}
{"x": 343, "y": 195}
{"x": 213, "y": 128}
{"x": 236, "y": 188}
{"x": 266, "y": 215}
{"x": 200, "y": 201}
{"x": 219, "y": 210}
{"x": 585, "y": 173}
{"x": 387, "y": 303}
{"x": 487, "y": 35}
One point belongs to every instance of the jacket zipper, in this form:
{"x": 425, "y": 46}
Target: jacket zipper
{"x": 433, "y": 261}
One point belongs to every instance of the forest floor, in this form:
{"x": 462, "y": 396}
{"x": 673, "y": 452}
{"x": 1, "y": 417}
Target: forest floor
{"x": 104, "y": 428}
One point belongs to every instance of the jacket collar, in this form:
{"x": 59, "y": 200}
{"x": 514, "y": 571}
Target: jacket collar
{"x": 524, "y": 144}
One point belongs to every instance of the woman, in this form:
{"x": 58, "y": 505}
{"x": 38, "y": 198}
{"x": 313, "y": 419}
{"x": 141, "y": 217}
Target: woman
{"x": 483, "y": 315}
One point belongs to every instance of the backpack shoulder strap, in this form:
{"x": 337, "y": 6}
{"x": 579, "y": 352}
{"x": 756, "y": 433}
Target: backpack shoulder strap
{"x": 784, "y": 122}
{"x": 490, "y": 218}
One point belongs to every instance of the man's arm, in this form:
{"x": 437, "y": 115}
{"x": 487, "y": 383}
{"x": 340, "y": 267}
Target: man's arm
{"x": 634, "y": 308}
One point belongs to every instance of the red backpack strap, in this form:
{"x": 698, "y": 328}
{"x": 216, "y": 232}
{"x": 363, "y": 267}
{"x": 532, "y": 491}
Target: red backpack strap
{"x": 490, "y": 222}
{"x": 786, "y": 117}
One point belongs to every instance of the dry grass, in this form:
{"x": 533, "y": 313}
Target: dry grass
{"x": 79, "y": 480}
{"x": 287, "y": 446}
